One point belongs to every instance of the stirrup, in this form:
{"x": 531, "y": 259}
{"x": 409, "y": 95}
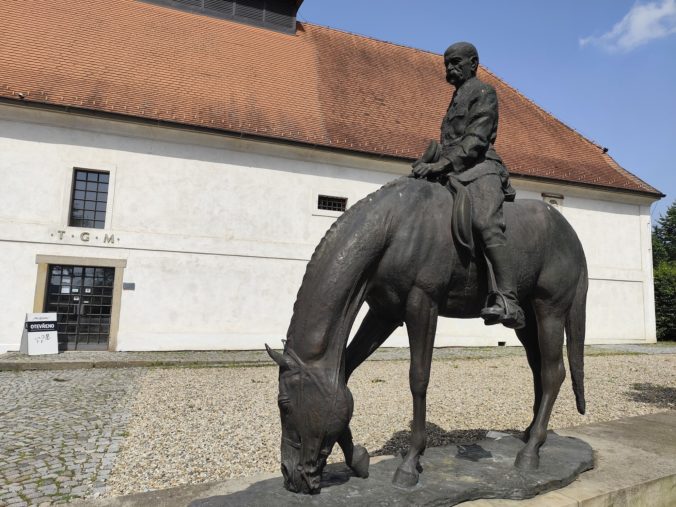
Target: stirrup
{"x": 491, "y": 307}
{"x": 509, "y": 315}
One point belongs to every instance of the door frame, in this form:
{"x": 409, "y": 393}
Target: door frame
{"x": 43, "y": 262}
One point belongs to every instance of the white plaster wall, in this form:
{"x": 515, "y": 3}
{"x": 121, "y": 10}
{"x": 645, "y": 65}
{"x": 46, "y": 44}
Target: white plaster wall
{"x": 616, "y": 237}
{"x": 217, "y": 232}
{"x": 208, "y": 301}
{"x": 17, "y": 291}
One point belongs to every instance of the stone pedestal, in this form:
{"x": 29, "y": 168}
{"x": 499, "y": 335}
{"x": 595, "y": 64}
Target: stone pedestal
{"x": 452, "y": 474}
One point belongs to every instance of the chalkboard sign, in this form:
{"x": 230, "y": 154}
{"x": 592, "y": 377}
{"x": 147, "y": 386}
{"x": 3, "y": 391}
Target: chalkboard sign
{"x": 39, "y": 334}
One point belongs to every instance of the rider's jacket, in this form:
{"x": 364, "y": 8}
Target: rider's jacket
{"x": 468, "y": 133}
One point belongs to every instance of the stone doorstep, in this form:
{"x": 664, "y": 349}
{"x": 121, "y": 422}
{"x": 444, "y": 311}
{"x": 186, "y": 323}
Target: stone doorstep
{"x": 635, "y": 466}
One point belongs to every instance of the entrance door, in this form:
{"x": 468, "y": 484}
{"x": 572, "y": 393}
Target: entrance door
{"x": 82, "y": 297}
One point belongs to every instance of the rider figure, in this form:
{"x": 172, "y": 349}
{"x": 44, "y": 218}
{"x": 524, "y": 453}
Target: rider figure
{"x": 468, "y": 132}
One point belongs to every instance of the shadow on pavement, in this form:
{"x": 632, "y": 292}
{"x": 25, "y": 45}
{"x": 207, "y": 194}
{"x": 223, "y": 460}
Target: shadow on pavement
{"x": 436, "y": 437}
{"x": 653, "y": 394}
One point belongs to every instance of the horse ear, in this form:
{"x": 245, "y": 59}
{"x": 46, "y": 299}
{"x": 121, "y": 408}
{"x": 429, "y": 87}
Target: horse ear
{"x": 277, "y": 358}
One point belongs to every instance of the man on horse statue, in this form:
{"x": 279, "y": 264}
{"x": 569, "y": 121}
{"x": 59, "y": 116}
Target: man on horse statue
{"x": 466, "y": 157}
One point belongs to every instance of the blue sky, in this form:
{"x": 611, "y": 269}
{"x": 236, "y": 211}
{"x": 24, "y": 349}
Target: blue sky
{"x": 607, "y": 68}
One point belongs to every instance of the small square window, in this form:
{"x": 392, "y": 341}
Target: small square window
{"x": 330, "y": 203}
{"x": 90, "y": 192}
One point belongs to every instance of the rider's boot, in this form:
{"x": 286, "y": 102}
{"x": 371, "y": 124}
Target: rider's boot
{"x": 505, "y": 307}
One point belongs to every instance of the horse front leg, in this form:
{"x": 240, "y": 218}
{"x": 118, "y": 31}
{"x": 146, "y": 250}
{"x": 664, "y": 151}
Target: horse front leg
{"x": 421, "y": 322}
{"x": 371, "y": 335}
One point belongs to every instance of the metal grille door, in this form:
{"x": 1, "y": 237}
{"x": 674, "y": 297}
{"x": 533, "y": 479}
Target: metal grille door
{"x": 82, "y": 298}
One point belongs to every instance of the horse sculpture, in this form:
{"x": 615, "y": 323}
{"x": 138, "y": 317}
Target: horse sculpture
{"x": 395, "y": 250}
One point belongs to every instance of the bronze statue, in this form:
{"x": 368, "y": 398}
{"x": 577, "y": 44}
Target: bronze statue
{"x": 402, "y": 250}
{"x": 395, "y": 250}
{"x": 467, "y": 155}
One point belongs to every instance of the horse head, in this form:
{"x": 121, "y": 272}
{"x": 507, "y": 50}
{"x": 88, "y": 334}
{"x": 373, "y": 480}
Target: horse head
{"x": 314, "y": 409}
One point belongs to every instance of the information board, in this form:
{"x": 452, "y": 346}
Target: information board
{"x": 39, "y": 334}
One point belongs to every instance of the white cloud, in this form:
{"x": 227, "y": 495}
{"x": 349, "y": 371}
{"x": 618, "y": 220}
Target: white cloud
{"x": 643, "y": 23}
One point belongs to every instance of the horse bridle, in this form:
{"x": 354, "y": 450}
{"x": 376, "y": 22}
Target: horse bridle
{"x": 303, "y": 372}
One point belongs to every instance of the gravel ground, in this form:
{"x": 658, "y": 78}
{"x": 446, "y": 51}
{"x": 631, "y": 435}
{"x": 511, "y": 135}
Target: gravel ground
{"x": 192, "y": 425}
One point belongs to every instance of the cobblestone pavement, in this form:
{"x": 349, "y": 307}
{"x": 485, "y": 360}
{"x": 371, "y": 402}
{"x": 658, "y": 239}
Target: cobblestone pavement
{"x": 60, "y": 432}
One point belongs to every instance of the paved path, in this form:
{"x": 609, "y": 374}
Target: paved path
{"x": 657, "y": 348}
{"x": 60, "y": 432}
{"x": 13, "y": 361}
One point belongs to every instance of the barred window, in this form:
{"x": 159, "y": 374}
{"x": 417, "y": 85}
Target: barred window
{"x": 330, "y": 203}
{"x": 89, "y": 199}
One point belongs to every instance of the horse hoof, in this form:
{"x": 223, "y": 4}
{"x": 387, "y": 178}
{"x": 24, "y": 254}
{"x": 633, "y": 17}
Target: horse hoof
{"x": 527, "y": 461}
{"x": 360, "y": 462}
{"x": 404, "y": 479}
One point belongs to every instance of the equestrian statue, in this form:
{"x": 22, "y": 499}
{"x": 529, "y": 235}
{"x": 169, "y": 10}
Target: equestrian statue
{"x": 451, "y": 241}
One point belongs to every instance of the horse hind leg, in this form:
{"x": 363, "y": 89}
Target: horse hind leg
{"x": 550, "y": 326}
{"x": 372, "y": 332}
{"x": 528, "y": 336}
{"x": 421, "y": 322}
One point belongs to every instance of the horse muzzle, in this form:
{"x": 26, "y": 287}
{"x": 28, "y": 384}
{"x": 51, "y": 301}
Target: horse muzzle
{"x": 306, "y": 481}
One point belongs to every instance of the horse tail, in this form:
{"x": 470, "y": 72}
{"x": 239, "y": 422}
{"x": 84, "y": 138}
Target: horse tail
{"x": 575, "y": 335}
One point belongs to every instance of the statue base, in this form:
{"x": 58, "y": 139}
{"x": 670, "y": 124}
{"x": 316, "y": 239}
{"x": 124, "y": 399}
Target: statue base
{"x": 452, "y": 474}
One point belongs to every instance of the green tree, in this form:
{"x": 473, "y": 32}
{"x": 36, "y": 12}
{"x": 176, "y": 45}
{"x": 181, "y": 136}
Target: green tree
{"x": 665, "y": 234}
{"x": 659, "y": 250}
{"x": 664, "y": 261}
{"x": 665, "y": 300}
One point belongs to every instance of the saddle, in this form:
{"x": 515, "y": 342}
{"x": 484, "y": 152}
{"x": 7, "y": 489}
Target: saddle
{"x": 461, "y": 220}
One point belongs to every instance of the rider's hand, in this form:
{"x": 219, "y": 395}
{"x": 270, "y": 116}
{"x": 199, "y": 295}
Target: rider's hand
{"x": 425, "y": 170}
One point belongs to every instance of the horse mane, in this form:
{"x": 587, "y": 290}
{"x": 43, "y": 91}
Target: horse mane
{"x": 327, "y": 242}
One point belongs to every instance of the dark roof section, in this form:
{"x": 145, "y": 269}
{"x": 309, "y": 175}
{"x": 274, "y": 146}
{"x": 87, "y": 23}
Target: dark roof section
{"x": 320, "y": 87}
{"x": 277, "y": 15}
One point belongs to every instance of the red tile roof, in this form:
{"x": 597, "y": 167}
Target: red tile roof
{"x": 321, "y": 86}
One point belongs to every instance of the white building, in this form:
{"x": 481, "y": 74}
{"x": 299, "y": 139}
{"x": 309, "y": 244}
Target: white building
{"x": 162, "y": 172}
